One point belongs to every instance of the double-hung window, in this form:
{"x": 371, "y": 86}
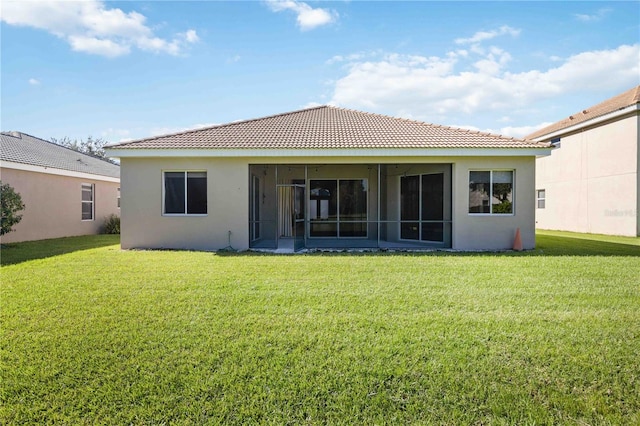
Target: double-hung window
{"x": 185, "y": 193}
{"x": 491, "y": 192}
{"x": 541, "y": 197}
{"x": 88, "y": 192}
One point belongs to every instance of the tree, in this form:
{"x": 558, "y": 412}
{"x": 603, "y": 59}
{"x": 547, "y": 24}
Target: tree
{"x": 11, "y": 204}
{"x": 90, "y": 146}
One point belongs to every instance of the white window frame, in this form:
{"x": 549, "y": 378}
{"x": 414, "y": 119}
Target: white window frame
{"x": 119, "y": 198}
{"x": 513, "y": 192}
{"x": 92, "y": 202}
{"x": 185, "y": 193}
{"x": 539, "y": 198}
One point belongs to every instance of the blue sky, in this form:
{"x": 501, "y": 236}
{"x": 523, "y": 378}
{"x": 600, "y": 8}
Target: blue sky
{"x": 127, "y": 70}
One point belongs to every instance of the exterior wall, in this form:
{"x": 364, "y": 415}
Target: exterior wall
{"x": 592, "y": 182}
{"x": 53, "y": 205}
{"x": 144, "y": 226}
{"x": 494, "y": 232}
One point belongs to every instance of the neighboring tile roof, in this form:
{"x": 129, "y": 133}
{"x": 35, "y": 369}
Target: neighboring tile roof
{"x": 327, "y": 127}
{"x": 621, "y": 101}
{"x": 22, "y": 148}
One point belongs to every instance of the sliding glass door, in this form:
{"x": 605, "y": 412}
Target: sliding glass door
{"x": 422, "y": 207}
{"x": 338, "y": 208}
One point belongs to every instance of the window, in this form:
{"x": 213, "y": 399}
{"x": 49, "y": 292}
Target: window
{"x": 541, "y": 198}
{"x": 491, "y": 192}
{"x": 87, "y": 201}
{"x": 118, "y": 197}
{"x": 185, "y": 193}
{"x": 555, "y": 142}
{"x": 422, "y": 207}
{"x": 338, "y": 208}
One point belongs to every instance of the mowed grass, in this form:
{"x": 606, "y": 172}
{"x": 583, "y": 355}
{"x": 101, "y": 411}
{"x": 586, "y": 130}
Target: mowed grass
{"x": 104, "y": 336}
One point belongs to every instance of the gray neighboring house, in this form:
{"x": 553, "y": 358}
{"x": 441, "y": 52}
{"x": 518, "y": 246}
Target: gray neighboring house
{"x": 328, "y": 177}
{"x": 591, "y": 180}
{"x": 65, "y": 192}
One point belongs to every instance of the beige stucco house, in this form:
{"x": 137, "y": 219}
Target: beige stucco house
{"x": 590, "y": 182}
{"x": 327, "y": 177}
{"x": 65, "y": 192}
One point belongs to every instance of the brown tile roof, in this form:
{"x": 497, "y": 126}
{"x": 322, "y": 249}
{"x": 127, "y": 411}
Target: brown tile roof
{"x": 327, "y": 127}
{"x": 621, "y": 101}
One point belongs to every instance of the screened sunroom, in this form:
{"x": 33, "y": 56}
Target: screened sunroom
{"x": 297, "y": 206}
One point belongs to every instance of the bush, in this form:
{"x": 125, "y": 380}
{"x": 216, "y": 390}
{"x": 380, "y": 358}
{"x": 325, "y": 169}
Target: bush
{"x": 111, "y": 225}
{"x": 11, "y": 204}
{"x": 503, "y": 207}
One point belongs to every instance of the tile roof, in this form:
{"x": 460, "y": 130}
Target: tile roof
{"x": 327, "y": 127}
{"x": 621, "y": 101}
{"x": 22, "y": 148}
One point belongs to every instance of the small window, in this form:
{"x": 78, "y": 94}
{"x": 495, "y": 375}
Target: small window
{"x": 185, "y": 193}
{"x": 491, "y": 192}
{"x": 540, "y": 198}
{"x": 118, "y": 197}
{"x": 555, "y": 142}
{"x": 87, "y": 201}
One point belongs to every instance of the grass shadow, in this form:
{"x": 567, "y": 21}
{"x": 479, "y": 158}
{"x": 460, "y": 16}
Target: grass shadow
{"x": 14, "y": 253}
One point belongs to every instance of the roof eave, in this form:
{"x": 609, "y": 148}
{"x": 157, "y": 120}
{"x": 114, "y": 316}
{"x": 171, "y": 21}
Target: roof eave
{"x": 323, "y": 152}
{"x": 57, "y": 171}
{"x": 591, "y": 122}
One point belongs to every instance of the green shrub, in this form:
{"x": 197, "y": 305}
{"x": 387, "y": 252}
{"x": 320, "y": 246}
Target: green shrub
{"x": 11, "y": 203}
{"x": 503, "y": 207}
{"x": 111, "y": 224}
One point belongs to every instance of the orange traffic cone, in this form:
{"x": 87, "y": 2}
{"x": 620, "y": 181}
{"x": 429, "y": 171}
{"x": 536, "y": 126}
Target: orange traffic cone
{"x": 517, "y": 241}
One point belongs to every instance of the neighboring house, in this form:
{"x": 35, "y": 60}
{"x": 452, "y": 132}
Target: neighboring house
{"x": 590, "y": 182}
{"x": 327, "y": 177}
{"x": 65, "y": 192}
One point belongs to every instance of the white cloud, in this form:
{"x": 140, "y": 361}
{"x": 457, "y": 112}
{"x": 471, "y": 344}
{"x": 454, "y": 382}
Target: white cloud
{"x": 112, "y": 134}
{"x": 353, "y": 57}
{"x": 91, "y": 27}
{"x": 511, "y": 131}
{"x": 522, "y": 131}
{"x": 599, "y": 15}
{"x": 191, "y": 36}
{"x": 488, "y": 35}
{"x": 34, "y": 81}
{"x": 311, "y": 105}
{"x": 308, "y": 18}
{"x": 97, "y": 46}
{"x": 436, "y": 86}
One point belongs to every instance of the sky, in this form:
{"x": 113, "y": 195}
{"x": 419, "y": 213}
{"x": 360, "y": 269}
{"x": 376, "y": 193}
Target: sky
{"x": 133, "y": 69}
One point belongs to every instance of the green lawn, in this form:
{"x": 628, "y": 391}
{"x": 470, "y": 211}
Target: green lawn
{"x": 96, "y": 335}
